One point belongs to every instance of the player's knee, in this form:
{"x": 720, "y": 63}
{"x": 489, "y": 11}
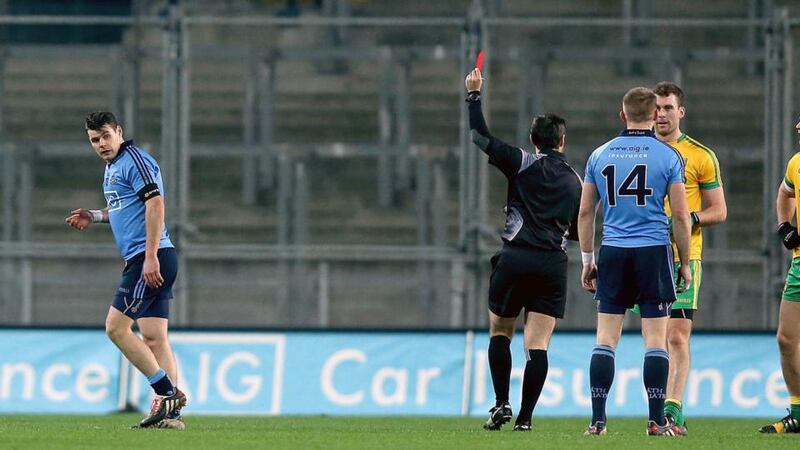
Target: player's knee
{"x": 537, "y": 344}
{"x": 115, "y": 331}
{"x": 537, "y": 339}
{"x": 154, "y": 340}
{"x": 501, "y": 331}
{"x": 501, "y": 326}
{"x": 677, "y": 340}
{"x": 787, "y": 341}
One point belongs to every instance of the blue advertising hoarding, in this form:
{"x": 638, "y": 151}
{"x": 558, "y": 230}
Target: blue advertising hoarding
{"x": 58, "y": 371}
{"x": 731, "y": 376}
{"x": 369, "y": 373}
{"x": 224, "y": 373}
{"x": 318, "y": 373}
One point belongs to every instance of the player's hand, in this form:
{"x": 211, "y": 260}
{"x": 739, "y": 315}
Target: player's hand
{"x": 788, "y": 234}
{"x": 80, "y": 219}
{"x": 684, "y": 279}
{"x": 695, "y": 220}
{"x": 474, "y": 80}
{"x": 151, "y": 272}
{"x": 589, "y": 277}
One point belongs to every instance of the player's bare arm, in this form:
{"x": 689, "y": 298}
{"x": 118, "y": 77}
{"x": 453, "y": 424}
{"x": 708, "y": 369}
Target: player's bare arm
{"x": 682, "y": 232}
{"x": 715, "y": 209}
{"x": 154, "y": 220}
{"x": 586, "y": 215}
{"x": 785, "y": 204}
{"x": 82, "y": 218}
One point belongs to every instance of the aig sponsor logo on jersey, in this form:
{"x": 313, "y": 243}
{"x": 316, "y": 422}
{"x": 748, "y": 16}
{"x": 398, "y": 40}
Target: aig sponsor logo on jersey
{"x": 111, "y": 178}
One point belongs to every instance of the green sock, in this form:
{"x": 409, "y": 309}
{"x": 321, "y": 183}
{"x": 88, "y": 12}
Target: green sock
{"x": 674, "y": 409}
{"x": 795, "y": 411}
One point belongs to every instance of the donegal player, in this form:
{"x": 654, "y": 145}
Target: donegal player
{"x": 706, "y": 201}
{"x": 788, "y": 329}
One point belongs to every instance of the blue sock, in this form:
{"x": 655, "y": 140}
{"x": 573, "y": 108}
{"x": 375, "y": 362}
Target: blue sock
{"x": 500, "y": 367}
{"x": 161, "y": 383}
{"x": 601, "y": 375}
{"x": 655, "y": 373}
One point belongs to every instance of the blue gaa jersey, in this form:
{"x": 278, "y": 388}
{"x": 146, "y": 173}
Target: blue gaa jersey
{"x": 132, "y": 178}
{"x": 632, "y": 173}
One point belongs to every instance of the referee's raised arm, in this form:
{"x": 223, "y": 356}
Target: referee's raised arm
{"x": 505, "y": 157}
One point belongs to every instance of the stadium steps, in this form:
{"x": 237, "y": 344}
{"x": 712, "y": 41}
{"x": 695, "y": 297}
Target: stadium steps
{"x": 313, "y": 106}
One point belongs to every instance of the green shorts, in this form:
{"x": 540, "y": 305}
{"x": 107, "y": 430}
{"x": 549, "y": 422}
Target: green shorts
{"x": 688, "y": 298}
{"x": 791, "y": 290}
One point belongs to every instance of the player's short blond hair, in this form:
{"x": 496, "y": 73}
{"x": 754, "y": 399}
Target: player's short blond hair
{"x": 639, "y": 104}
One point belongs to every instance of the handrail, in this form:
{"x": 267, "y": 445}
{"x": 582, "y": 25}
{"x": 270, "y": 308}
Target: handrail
{"x": 396, "y": 21}
{"x": 37, "y": 19}
{"x": 240, "y": 252}
{"x": 268, "y": 252}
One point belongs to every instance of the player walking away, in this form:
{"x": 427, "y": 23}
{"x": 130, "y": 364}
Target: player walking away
{"x": 530, "y": 271}
{"x": 789, "y": 317}
{"x": 630, "y": 175}
{"x": 706, "y": 202}
{"x": 134, "y": 191}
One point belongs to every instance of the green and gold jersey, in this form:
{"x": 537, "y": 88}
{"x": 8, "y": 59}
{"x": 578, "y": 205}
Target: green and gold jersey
{"x": 702, "y": 173}
{"x": 791, "y": 182}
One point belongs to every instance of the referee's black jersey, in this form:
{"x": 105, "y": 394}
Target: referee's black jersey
{"x": 544, "y": 192}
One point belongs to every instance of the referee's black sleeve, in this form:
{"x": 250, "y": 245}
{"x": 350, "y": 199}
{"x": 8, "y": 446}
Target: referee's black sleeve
{"x": 572, "y": 233}
{"x": 501, "y": 155}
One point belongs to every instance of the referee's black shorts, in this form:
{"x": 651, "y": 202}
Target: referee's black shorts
{"x": 527, "y": 278}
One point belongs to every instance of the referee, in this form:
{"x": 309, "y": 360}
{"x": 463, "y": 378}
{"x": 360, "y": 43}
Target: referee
{"x": 530, "y": 270}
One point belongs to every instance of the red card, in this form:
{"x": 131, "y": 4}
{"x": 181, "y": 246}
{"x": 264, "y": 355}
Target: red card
{"x": 479, "y": 61}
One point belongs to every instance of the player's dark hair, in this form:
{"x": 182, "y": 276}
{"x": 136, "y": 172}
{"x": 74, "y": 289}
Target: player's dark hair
{"x": 96, "y": 120}
{"x": 667, "y": 88}
{"x": 547, "y": 130}
{"x": 639, "y": 104}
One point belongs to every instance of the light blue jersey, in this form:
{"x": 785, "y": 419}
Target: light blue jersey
{"x": 131, "y": 178}
{"x": 632, "y": 173}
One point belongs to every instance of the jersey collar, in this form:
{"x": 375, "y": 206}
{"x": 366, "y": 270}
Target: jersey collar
{"x": 551, "y": 152}
{"x": 124, "y": 146}
{"x": 632, "y": 132}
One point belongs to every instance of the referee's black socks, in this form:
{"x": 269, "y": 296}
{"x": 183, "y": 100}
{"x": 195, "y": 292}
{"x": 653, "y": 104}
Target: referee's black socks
{"x": 500, "y": 366}
{"x": 532, "y": 383}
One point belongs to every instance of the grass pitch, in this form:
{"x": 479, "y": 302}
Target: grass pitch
{"x": 382, "y": 433}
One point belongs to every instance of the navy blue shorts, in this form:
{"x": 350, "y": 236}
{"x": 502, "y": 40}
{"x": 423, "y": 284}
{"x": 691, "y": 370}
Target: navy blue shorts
{"x": 135, "y": 299}
{"x": 635, "y": 276}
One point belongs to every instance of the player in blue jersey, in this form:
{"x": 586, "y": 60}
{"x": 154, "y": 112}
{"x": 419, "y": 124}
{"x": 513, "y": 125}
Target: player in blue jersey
{"x": 631, "y": 175}
{"x": 134, "y": 194}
